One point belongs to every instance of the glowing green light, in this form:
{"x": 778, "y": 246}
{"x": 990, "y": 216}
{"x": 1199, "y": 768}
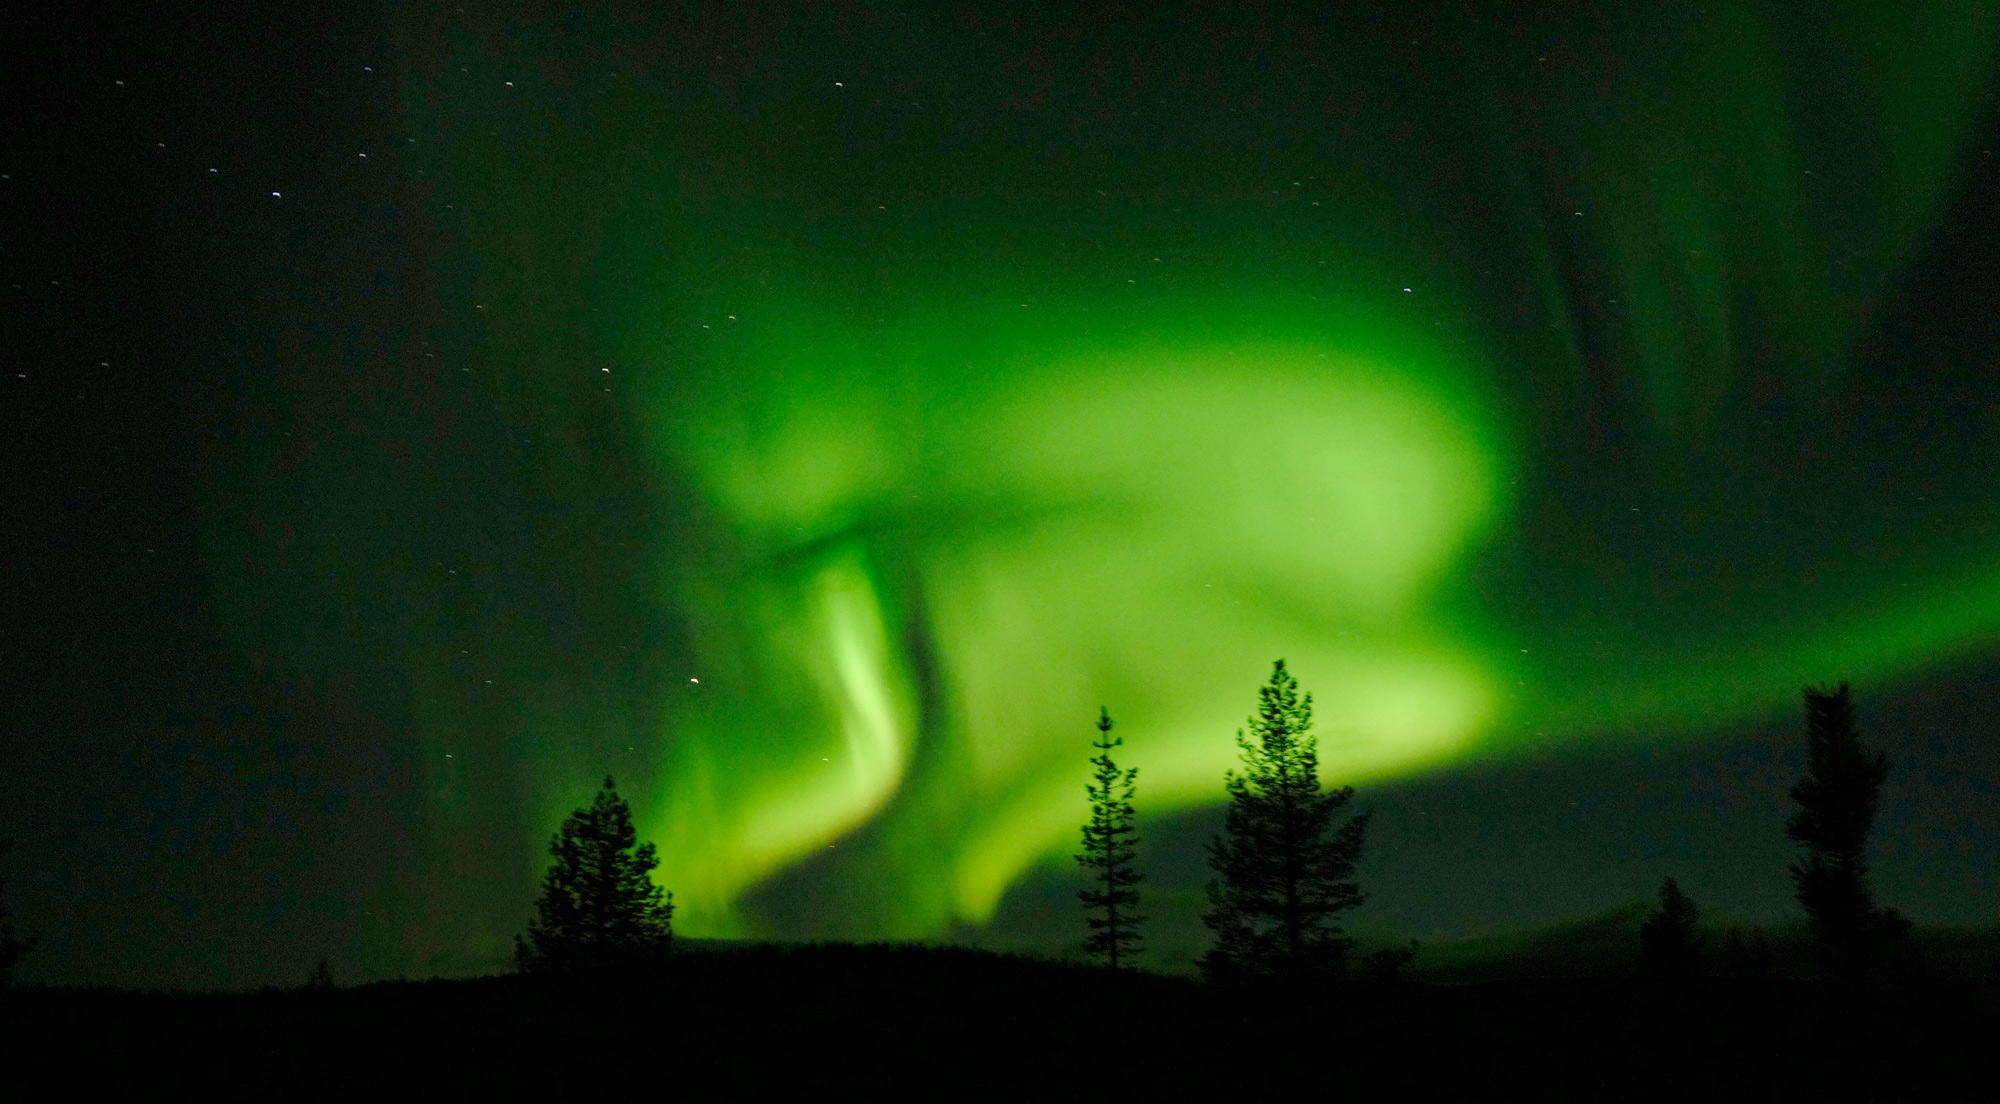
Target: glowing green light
{"x": 943, "y": 480}
{"x": 956, "y": 535}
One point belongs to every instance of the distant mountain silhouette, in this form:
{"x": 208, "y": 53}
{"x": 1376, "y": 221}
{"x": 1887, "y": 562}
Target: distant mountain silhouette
{"x": 1606, "y": 945}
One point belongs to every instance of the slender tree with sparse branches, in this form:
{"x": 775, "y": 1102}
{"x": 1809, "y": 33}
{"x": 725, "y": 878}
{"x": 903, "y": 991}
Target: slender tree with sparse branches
{"x": 1284, "y": 865}
{"x": 599, "y": 910}
{"x": 1110, "y": 836}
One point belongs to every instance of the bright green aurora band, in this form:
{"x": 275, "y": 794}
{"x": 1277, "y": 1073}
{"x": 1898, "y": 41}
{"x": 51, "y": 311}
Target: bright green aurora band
{"x": 946, "y": 533}
{"x": 949, "y": 458}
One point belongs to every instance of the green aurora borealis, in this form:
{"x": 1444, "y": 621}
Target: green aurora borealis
{"x": 967, "y": 472}
{"x": 942, "y": 538}
{"x": 813, "y": 419}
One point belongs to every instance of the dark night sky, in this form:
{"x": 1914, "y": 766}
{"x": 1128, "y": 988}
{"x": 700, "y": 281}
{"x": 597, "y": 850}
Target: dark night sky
{"x": 406, "y": 405}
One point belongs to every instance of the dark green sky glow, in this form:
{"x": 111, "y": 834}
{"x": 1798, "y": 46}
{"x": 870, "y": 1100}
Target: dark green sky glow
{"x": 815, "y": 418}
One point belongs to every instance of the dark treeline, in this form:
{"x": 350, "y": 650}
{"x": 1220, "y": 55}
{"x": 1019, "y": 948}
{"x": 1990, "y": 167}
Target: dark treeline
{"x": 1284, "y": 866}
{"x": 603, "y": 996}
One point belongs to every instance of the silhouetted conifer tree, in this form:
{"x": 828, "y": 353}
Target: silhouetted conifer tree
{"x": 1111, "y": 901}
{"x": 599, "y": 908}
{"x": 1388, "y": 965}
{"x": 1670, "y": 940}
{"x": 1836, "y": 811}
{"x": 1748, "y": 957}
{"x": 12, "y": 947}
{"x": 320, "y": 978}
{"x": 1284, "y": 871}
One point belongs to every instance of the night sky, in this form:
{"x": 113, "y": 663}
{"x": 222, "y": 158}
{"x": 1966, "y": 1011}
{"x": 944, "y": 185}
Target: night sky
{"x": 812, "y": 414}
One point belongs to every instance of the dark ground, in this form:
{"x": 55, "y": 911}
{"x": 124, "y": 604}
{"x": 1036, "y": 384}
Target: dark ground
{"x": 904, "y": 1022}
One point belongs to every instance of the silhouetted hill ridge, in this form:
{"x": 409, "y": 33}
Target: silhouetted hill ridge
{"x": 756, "y": 1021}
{"x": 1606, "y": 945}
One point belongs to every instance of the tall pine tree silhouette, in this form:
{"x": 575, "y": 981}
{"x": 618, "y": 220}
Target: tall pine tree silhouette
{"x": 1284, "y": 870}
{"x": 1111, "y": 901}
{"x": 1836, "y": 812}
{"x": 599, "y": 909}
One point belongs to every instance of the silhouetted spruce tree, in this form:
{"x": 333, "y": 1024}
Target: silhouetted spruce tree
{"x": 1836, "y": 811}
{"x": 599, "y": 909}
{"x": 1284, "y": 870}
{"x": 1748, "y": 957}
{"x": 1670, "y": 940}
{"x": 1111, "y": 901}
{"x": 1389, "y": 965}
{"x": 321, "y": 978}
{"x": 12, "y": 947}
